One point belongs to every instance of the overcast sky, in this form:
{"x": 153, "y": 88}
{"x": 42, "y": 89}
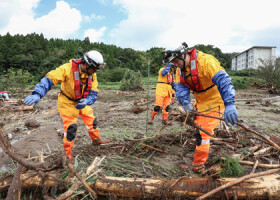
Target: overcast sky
{"x": 231, "y": 25}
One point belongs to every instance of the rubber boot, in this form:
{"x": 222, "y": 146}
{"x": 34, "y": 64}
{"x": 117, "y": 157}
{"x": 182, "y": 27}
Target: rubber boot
{"x": 152, "y": 118}
{"x": 99, "y": 141}
{"x": 199, "y": 168}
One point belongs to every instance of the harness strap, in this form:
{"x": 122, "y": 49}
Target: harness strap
{"x": 165, "y": 83}
{"x": 205, "y": 89}
{"x": 76, "y": 100}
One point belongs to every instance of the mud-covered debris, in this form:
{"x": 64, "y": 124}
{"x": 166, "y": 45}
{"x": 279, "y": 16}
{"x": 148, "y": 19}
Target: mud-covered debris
{"x": 137, "y": 109}
{"x": 32, "y": 123}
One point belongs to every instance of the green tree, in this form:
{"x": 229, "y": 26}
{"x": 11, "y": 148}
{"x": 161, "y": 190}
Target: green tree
{"x": 131, "y": 81}
{"x": 15, "y": 79}
{"x": 155, "y": 56}
{"x": 269, "y": 70}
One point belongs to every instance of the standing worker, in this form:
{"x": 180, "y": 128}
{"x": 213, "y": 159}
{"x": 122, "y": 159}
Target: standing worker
{"x": 212, "y": 89}
{"x": 163, "y": 93}
{"x": 78, "y": 91}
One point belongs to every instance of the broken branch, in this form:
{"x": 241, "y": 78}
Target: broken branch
{"x": 145, "y": 145}
{"x": 71, "y": 167}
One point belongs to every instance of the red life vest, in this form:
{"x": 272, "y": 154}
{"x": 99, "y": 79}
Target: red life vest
{"x": 197, "y": 87}
{"x": 78, "y": 85}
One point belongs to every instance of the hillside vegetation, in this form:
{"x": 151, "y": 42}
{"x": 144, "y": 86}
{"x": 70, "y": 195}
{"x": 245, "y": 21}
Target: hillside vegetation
{"x": 37, "y": 55}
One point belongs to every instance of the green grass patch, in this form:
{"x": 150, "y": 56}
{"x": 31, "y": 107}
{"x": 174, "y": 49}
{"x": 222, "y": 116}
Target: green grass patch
{"x": 241, "y": 82}
{"x": 152, "y": 81}
{"x": 116, "y": 85}
{"x": 107, "y": 85}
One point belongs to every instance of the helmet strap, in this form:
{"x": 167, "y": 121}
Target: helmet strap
{"x": 87, "y": 68}
{"x": 183, "y": 59}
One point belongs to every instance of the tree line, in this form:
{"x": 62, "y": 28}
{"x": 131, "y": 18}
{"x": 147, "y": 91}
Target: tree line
{"x": 35, "y": 54}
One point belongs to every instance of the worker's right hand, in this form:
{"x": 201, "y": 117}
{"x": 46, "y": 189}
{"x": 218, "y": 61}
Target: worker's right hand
{"x": 34, "y": 98}
{"x": 187, "y": 106}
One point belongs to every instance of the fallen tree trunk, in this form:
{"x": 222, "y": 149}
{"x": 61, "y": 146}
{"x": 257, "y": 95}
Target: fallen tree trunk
{"x": 32, "y": 180}
{"x": 264, "y": 187}
{"x": 242, "y": 179}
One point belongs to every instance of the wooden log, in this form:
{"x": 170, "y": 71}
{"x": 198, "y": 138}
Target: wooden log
{"x": 32, "y": 180}
{"x": 17, "y": 108}
{"x": 263, "y": 187}
{"x": 22, "y": 108}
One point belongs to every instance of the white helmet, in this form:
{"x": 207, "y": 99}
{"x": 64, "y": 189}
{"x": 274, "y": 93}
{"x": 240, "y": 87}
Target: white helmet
{"x": 94, "y": 59}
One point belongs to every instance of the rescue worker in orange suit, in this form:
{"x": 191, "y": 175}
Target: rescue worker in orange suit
{"x": 78, "y": 91}
{"x": 213, "y": 91}
{"x": 163, "y": 93}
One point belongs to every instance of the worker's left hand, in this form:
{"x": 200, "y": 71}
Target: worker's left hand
{"x": 187, "y": 106}
{"x": 82, "y": 103}
{"x": 231, "y": 114}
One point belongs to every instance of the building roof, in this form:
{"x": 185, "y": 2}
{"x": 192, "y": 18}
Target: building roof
{"x": 263, "y": 47}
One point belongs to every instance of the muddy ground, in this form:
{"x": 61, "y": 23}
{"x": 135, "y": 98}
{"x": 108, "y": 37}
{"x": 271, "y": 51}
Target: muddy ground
{"x": 125, "y": 157}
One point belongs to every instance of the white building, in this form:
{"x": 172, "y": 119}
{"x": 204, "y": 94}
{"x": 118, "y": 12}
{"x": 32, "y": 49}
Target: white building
{"x": 250, "y": 59}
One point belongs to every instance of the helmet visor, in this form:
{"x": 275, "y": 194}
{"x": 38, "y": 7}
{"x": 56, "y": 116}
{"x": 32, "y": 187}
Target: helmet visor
{"x": 98, "y": 67}
{"x": 168, "y": 56}
{"x": 92, "y": 64}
